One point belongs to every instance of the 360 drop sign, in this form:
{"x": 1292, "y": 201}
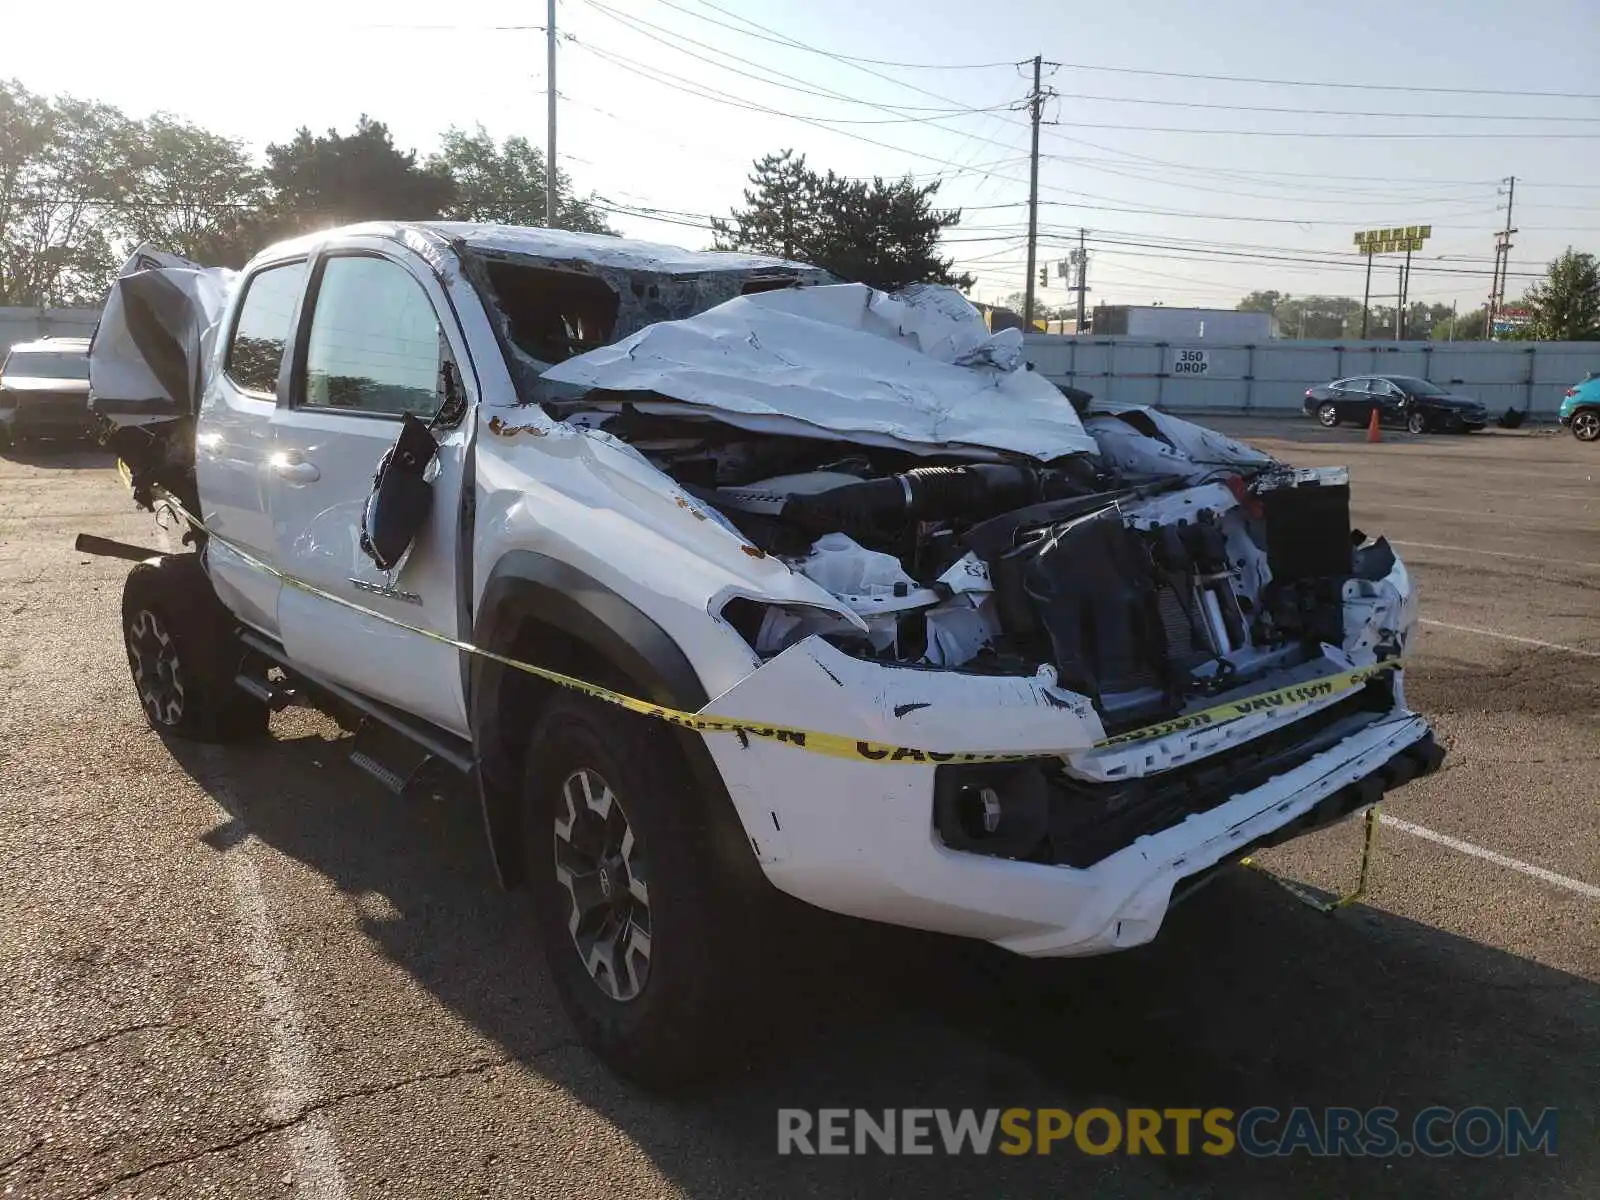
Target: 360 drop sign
{"x": 1191, "y": 362}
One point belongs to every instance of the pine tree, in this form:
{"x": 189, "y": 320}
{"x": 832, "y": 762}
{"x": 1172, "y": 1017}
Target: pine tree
{"x": 882, "y": 233}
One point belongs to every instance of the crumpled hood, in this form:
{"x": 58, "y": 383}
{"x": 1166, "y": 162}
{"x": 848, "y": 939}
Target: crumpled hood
{"x": 917, "y": 368}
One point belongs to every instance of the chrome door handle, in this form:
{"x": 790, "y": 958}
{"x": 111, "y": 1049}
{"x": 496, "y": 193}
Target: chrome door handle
{"x": 297, "y": 472}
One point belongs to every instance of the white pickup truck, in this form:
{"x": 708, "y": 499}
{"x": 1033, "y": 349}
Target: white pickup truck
{"x": 960, "y": 656}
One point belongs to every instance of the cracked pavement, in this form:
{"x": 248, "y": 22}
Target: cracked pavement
{"x": 250, "y": 972}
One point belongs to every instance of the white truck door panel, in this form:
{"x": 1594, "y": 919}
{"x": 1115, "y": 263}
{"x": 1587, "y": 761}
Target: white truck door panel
{"x": 233, "y": 441}
{"x": 374, "y": 349}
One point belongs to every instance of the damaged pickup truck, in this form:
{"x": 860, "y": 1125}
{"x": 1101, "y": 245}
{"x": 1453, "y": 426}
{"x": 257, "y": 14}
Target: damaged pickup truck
{"x": 907, "y": 635}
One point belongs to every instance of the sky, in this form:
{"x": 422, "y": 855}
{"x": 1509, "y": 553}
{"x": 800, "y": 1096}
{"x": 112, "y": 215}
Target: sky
{"x": 1192, "y": 191}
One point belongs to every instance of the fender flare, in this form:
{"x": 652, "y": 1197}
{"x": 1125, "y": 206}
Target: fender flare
{"x": 641, "y": 658}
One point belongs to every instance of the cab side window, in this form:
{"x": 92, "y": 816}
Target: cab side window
{"x": 255, "y": 351}
{"x": 375, "y": 345}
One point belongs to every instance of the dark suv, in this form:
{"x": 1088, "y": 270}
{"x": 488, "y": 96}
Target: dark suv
{"x": 44, "y": 390}
{"x": 1404, "y": 400}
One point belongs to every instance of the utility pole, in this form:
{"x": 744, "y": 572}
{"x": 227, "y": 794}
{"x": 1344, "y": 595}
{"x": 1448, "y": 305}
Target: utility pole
{"x": 1399, "y": 297}
{"x": 1405, "y": 290}
{"x": 1035, "y": 108}
{"x": 1366, "y": 296}
{"x": 1083, "y": 277}
{"x": 1453, "y": 320}
{"x": 550, "y": 100}
{"x": 1502, "y": 261}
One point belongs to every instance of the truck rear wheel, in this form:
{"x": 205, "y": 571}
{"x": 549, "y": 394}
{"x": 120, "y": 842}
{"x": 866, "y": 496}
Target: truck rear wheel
{"x": 638, "y": 925}
{"x": 182, "y": 653}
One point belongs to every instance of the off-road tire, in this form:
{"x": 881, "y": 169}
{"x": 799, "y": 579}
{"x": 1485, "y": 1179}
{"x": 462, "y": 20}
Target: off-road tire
{"x": 183, "y": 655}
{"x": 1328, "y": 416}
{"x": 683, "y": 1022}
{"x": 1418, "y": 423}
{"x": 1586, "y": 424}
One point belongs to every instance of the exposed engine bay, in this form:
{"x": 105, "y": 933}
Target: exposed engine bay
{"x": 1133, "y": 583}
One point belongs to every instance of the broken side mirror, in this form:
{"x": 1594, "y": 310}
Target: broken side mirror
{"x": 401, "y": 496}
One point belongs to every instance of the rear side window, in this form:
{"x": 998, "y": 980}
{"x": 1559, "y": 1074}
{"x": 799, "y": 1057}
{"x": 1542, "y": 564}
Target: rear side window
{"x": 375, "y": 343}
{"x": 262, "y": 330}
{"x": 47, "y": 364}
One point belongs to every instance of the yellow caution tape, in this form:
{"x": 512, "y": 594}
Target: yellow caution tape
{"x": 813, "y": 741}
{"x": 1369, "y": 839}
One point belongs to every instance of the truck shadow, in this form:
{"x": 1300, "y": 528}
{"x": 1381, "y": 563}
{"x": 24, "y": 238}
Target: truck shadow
{"x": 63, "y": 455}
{"x": 1246, "y": 999}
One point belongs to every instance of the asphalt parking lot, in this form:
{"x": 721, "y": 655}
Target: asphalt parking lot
{"x": 251, "y": 972}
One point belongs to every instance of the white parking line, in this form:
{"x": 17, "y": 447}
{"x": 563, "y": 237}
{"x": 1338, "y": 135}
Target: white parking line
{"x": 1510, "y": 637}
{"x": 1587, "y": 890}
{"x": 1540, "y": 558}
{"x": 292, "y": 1086}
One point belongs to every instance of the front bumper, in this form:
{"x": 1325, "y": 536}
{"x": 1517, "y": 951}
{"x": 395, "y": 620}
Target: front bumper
{"x": 46, "y": 419}
{"x": 861, "y": 838}
{"x": 1471, "y": 421}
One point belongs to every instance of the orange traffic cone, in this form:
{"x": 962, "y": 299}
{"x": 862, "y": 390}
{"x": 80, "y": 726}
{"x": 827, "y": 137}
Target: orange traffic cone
{"x": 1372, "y": 428}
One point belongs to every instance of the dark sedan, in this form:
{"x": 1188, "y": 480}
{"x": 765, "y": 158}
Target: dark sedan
{"x": 1403, "y": 400}
{"x": 44, "y": 390}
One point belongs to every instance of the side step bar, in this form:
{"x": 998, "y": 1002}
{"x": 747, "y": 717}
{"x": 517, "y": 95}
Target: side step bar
{"x": 445, "y": 747}
{"x": 274, "y": 697}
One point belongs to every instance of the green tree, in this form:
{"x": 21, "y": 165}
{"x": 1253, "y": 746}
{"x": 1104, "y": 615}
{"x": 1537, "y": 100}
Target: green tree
{"x": 1041, "y": 312}
{"x": 1565, "y": 305}
{"x": 1266, "y": 302}
{"x": 1468, "y": 326}
{"x": 782, "y": 213}
{"x": 64, "y": 164}
{"x": 193, "y": 192}
{"x": 880, "y": 232}
{"x": 505, "y": 183}
{"x": 335, "y": 179}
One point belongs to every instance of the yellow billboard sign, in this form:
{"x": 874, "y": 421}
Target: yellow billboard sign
{"x": 1397, "y": 240}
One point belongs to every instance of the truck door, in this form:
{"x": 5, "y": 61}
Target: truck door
{"x": 233, "y": 442}
{"x": 375, "y": 345}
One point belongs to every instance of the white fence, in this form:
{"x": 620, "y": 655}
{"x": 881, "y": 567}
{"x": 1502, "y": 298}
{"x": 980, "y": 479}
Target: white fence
{"x": 1203, "y": 375}
{"x": 25, "y": 324}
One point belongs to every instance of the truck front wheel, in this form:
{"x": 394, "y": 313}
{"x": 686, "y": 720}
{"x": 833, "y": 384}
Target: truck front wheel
{"x": 636, "y": 921}
{"x": 182, "y": 653}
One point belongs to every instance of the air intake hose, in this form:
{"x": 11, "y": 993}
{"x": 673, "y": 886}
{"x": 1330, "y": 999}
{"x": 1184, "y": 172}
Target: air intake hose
{"x": 973, "y": 491}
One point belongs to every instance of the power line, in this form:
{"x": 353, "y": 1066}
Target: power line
{"x": 1320, "y": 112}
{"x": 1107, "y": 203}
{"x": 709, "y": 154}
{"x": 1186, "y": 254}
{"x": 678, "y": 83}
{"x": 794, "y": 43}
{"x": 1315, "y": 133}
{"x": 877, "y": 62}
{"x": 1307, "y": 83}
{"x": 635, "y": 24}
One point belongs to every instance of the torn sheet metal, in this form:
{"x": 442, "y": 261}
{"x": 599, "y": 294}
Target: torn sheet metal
{"x": 155, "y": 336}
{"x": 820, "y": 687}
{"x": 847, "y": 359}
{"x": 1149, "y": 442}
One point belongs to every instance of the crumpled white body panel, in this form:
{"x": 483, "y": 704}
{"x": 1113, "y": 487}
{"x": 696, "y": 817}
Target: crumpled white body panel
{"x": 849, "y": 360}
{"x": 1180, "y": 448}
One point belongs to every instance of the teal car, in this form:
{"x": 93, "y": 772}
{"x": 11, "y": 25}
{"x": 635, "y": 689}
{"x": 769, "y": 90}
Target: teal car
{"x": 1580, "y": 410}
